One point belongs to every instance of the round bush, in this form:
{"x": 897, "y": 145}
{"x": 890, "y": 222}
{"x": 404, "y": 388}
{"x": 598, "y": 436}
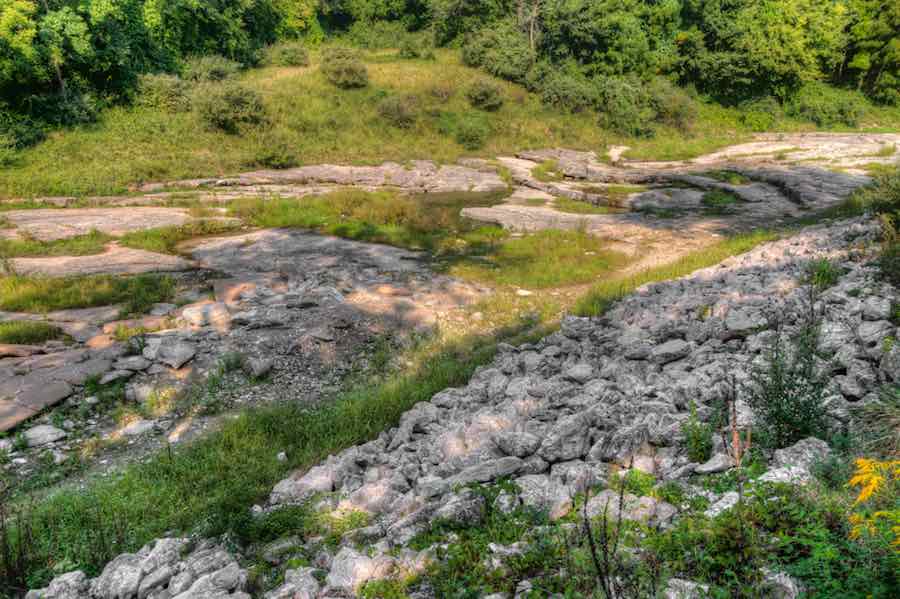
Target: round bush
{"x": 19, "y": 131}
{"x": 472, "y": 133}
{"x": 761, "y": 114}
{"x": 229, "y": 106}
{"x": 210, "y": 68}
{"x": 167, "y": 92}
{"x": 485, "y": 95}
{"x": 672, "y": 105}
{"x": 344, "y": 69}
{"x": 826, "y": 106}
{"x": 400, "y": 111}
{"x": 569, "y": 92}
{"x": 625, "y": 107}
{"x": 273, "y": 150}
{"x": 502, "y": 50}
{"x": 289, "y": 54}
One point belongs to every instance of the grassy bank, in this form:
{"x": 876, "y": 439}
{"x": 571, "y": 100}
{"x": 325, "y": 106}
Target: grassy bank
{"x": 43, "y": 294}
{"x": 310, "y": 121}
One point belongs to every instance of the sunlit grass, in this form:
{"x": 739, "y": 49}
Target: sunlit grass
{"x": 165, "y": 240}
{"x": 82, "y": 245}
{"x": 579, "y": 207}
{"x": 27, "y": 332}
{"x": 44, "y": 294}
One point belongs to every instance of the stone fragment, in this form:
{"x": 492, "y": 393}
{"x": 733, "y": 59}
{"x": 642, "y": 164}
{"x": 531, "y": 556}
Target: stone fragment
{"x": 718, "y": 463}
{"x": 671, "y": 350}
{"x": 43, "y": 434}
{"x": 678, "y": 588}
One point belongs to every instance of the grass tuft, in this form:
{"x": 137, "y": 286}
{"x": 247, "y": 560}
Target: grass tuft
{"x": 82, "y": 245}
{"x": 165, "y": 240}
{"x": 28, "y": 332}
{"x": 43, "y": 294}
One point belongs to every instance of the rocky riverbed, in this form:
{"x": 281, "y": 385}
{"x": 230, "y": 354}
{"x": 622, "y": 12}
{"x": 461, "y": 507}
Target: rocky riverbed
{"x": 558, "y": 418}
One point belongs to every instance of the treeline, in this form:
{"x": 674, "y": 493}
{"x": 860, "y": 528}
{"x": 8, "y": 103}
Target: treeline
{"x": 62, "y": 60}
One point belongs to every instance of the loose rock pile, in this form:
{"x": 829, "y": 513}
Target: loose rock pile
{"x": 555, "y": 416}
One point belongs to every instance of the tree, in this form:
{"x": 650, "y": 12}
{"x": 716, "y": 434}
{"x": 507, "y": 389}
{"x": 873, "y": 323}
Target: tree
{"x": 872, "y": 61}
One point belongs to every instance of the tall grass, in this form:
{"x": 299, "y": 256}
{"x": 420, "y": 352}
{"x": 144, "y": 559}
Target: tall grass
{"x": 44, "y": 294}
{"x": 26, "y": 332}
{"x": 165, "y": 240}
{"x": 82, "y": 245}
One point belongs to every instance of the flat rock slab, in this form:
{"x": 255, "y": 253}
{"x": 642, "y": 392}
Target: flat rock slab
{"x": 115, "y": 261}
{"x": 47, "y": 224}
{"x": 293, "y": 251}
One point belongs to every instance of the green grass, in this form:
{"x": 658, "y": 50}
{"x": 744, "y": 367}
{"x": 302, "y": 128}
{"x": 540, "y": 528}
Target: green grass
{"x": 547, "y": 171}
{"x": 82, "y": 245}
{"x": 730, "y": 177}
{"x": 718, "y": 201}
{"x": 165, "y": 240}
{"x": 578, "y": 207}
{"x": 28, "y": 332}
{"x": 607, "y": 293}
{"x": 540, "y": 260}
{"x": 40, "y": 295}
{"x": 430, "y": 222}
{"x": 185, "y": 490}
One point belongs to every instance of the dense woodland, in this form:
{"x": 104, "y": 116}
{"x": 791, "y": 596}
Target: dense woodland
{"x": 61, "y": 61}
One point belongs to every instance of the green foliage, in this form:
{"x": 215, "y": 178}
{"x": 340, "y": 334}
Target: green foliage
{"x": 287, "y": 54}
{"x": 81, "y": 245}
{"x": 761, "y": 114}
{"x": 27, "y": 332}
{"x": 571, "y": 92}
{"x": 625, "y": 107}
{"x": 471, "y": 132}
{"x": 718, "y": 201}
{"x": 547, "y": 171}
{"x": 671, "y": 104}
{"x": 788, "y": 393}
{"x": 229, "y": 107}
{"x": 502, "y": 50}
{"x": 485, "y": 95}
{"x": 41, "y": 295}
{"x": 166, "y": 92}
{"x": 637, "y": 482}
{"x": 873, "y": 50}
{"x": 826, "y": 106}
{"x": 823, "y": 274}
{"x": 211, "y": 67}
{"x": 344, "y": 69}
{"x": 400, "y": 111}
{"x": 165, "y": 240}
{"x": 698, "y": 437}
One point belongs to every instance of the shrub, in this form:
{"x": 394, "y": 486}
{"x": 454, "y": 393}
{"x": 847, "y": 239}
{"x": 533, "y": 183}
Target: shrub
{"x": 568, "y": 92}
{"x": 412, "y": 48}
{"x": 442, "y": 92}
{"x": 788, "y": 394}
{"x": 210, "y": 68}
{"x": 273, "y": 151}
{"x": 400, "y": 111}
{"x": 502, "y": 50}
{"x": 229, "y": 106}
{"x": 19, "y": 130}
{"x": 472, "y": 133}
{"x": 163, "y": 91}
{"x": 343, "y": 68}
{"x": 485, "y": 95}
{"x": 287, "y": 54}
{"x": 8, "y": 153}
{"x": 827, "y": 106}
{"x": 761, "y": 114}
{"x": 698, "y": 437}
{"x": 671, "y": 104}
{"x": 66, "y": 109}
{"x": 625, "y": 107}
{"x": 376, "y": 35}
{"x": 823, "y": 274}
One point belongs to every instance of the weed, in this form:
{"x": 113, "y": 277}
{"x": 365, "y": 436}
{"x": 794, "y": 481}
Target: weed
{"x": 165, "y": 240}
{"x": 81, "y": 245}
{"x": 578, "y": 207}
{"x": 27, "y": 332}
{"x": 730, "y": 177}
{"x": 547, "y": 171}
{"x": 698, "y": 437}
{"x": 719, "y": 202}
{"x": 37, "y": 294}
{"x": 823, "y": 274}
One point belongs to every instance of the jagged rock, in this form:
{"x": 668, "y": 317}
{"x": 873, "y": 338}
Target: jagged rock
{"x": 258, "y": 367}
{"x": 718, "y": 463}
{"x": 73, "y": 585}
{"x": 802, "y": 454}
{"x": 43, "y": 434}
{"x": 350, "y": 570}
{"x": 671, "y": 350}
{"x": 465, "y": 507}
{"x": 678, "y": 588}
{"x": 136, "y": 363}
{"x": 778, "y": 585}
{"x": 517, "y": 443}
{"x": 741, "y": 322}
{"x": 542, "y": 494}
{"x": 567, "y": 440}
{"x": 169, "y": 350}
{"x": 724, "y": 503}
{"x": 298, "y": 584}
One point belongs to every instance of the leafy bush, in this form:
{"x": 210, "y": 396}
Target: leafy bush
{"x": 400, "y": 111}
{"x": 625, "y": 107}
{"x": 485, "y": 95}
{"x": 761, "y": 114}
{"x": 788, "y": 394}
{"x": 210, "y": 68}
{"x": 67, "y": 109}
{"x": 502, "y": 50}
{"x": 167, "y": 92}
{"x": 698, "y": 437}
{"x": 569, "y": 92}
{"x": 412, "y": 48}
{"x": 8, "y": 153}
{"x": 229, "y": 106}
{"x": 827, "y": 106}
{"x": 287, "y": 54}
{"x": 472, "y": 133}
{"x": 272, "y": 150}
{"x": 376, "y": 35}
{"x": 19, "y": 130}
{"x": 343, "y": 68}
{"x": 671, "y": 104}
